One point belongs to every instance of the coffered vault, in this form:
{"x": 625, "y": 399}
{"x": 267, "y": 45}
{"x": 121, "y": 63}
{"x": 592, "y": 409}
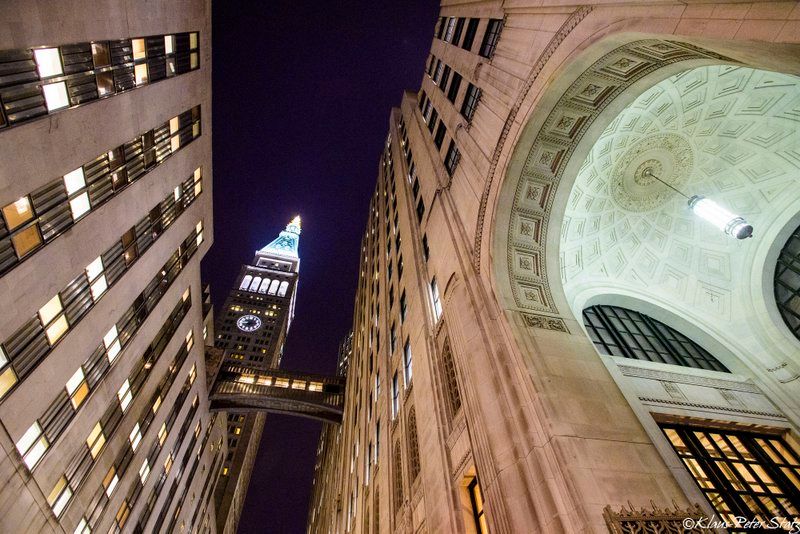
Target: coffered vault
{"x": 726, "y": 132}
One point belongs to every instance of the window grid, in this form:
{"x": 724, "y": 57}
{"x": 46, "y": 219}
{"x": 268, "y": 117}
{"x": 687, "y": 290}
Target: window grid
{"x": 621, "y": 332}
{"x": 787, "y": 283}
{"x": 413, "y": 447}
{"x": 39, "y": 81}
{"x": 471, "y": 99}
{"x": 34, "y": 340}
{"x": 743, "y": 474}
{"x": 490, "y": 38}
{"x": 31, "y": 222}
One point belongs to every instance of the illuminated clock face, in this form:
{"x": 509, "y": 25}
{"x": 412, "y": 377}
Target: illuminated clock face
{"x": 248, "y": 323}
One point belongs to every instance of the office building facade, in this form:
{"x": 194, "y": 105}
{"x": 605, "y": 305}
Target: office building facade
{"x": 105, "y": 191}
{"x": 553, "y": 331}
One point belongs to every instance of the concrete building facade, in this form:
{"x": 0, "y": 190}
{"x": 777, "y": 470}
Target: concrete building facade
{"x": 105, "y": 191}
{"x": 546, "y": 337}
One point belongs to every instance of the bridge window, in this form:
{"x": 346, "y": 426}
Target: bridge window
{"x": 787, "y": 283}
{"x": 315, "y": 386}
{"x": 282, "y": 290}
{"x": 621, "y": 332}
{"x": 282, "y": 382}
{"x": 246, "y": 282}
{"x": 298, "y": 384}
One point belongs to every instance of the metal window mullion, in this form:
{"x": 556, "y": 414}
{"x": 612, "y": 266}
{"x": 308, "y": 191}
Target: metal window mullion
{"x": 612, "y": 330}
{"x": 786, "y": 485}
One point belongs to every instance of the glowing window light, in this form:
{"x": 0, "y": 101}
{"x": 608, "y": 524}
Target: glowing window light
{"x": 731, "y": 224}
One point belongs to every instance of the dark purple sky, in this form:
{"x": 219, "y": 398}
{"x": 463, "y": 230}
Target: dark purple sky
{"x": 302, "y": 93}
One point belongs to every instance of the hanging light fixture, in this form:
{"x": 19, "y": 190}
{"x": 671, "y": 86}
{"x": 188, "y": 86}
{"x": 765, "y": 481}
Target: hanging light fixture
{"x": 730, "y": 223}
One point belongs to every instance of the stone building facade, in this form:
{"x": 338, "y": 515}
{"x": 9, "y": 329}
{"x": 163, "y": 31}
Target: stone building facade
{"x": 105, "y": 191}
{"x": 546, "y": 338}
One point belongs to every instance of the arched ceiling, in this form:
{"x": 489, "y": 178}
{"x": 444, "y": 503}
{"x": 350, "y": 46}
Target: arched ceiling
{"x": 729, "y": 133}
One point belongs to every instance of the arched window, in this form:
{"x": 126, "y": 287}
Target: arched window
{"x": 413, "y": 447}
{"x": 273, "y": 287}
{"x": 254, "y": 285}
{"x": 245, "y": 282}
{"x": 264, "y": 285}
{"x": 618, "y": 331}
{"x": 787, "y": 283}
{"x": 282, "y": 289}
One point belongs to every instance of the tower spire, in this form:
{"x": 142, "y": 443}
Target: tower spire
{"x": 288, "y": 241}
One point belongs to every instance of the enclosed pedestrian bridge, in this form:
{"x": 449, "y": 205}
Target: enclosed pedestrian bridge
{"x": 241, "y": 389}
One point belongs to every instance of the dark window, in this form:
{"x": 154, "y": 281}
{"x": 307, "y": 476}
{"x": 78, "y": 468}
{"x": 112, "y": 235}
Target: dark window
{"x": 407, "y": 364}
{"x": 491, "y": 37}
{"x": 438, "y": 139}
{"x": 458, "y": 31}
{"x": 431, "y": 62}
{"x": 420, "y": 210}
{"x": 455, "y": 85}
{"x": 445, "y": 77}
{"x": 432, "y": 121}
{"x": 393, "y": 338}
{"x": 476, "y": 500}
{"x": 422, "y": 100}
{"x": 440, "y": 27}
{"x": 451, "y": 159}
{"x": 403, "y": 306}
{"x": 413, "y": 447}
{"x": 742, "y": 474}
{"x": 450, "y": 381}
{"x": 400, "y": 266}
{"x": 415, "y": 187}
{"x": 469, "y": 36}
{"x": 426, "y": 252}
{"x": 787, "y": 283}
{"x": 471, "y": 98}
{"x": 621, "y": 332}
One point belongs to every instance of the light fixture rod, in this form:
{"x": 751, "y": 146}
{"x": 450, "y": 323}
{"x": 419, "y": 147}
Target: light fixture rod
{"x": 649, "y": 173}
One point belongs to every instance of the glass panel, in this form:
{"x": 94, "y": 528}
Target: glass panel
{"x": 100, "y": 54}
{"x": 18, "y": 213}
{"x": 48, "y": 62}
{"x": 55, "y": 96}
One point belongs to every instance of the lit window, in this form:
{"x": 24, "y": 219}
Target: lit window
{"x": 282, "y": 382}
{"x": 83, "y": 527}
{"x": 55, "y": 96}
{"x": 74, "y": 180}
{"x": 49, "y": 311}
{"x": 96, "y": 440}
{"x": 111, "y": 343}
{"x": 162, "y": 434}
{"x": 26, "y": 241}
{"x": 60, "y": 496}
{"x": 169, "y": 44}
{"x": 194, "y": 60}
{"x": 125, "y": 395}
{"x": 190, "y": 339}
{"x": 110, "y": 481}
{"x": 7, "y": 378}
{"x": 135, "y": 437}
{"x": 192, "y": 373}
{"x": 48, "y": 62}
{"x": 138, "y": 49}
{"x": 192, "y": 40}
{"x": 437, "y": 303}
{"x": 79, "y": 206}
{"x": 18, "y": 213}
{"x": 407, "y": 367}
{"x": 99, "y": 287}
{"x": 157, "y": 403}
{"x": 168, "y": 463}
{"x": 476, "y": 500}
{"x": 57, "y": 329}
{"x": 32, "y": 445}
{"x": 144, "y": 471}
{"x": 77, "y": 388}
{"x": 140, "y": 73}
{"x": 94, "y": 268}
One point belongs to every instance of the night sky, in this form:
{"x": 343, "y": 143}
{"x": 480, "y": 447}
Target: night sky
{"x": 301, "y": 94}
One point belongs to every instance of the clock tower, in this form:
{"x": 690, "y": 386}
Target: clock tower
{"x": 252, "y": 328}
{"x": 258, "y": 311}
